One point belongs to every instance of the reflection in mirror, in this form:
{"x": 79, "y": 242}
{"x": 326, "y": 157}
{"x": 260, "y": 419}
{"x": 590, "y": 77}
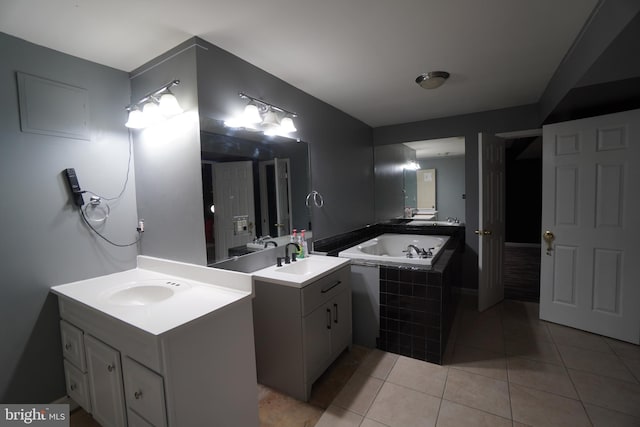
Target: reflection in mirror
{"x": 251, "y": 189}
{"x": 396, "y": 179}
{"x": 442, "y": 198}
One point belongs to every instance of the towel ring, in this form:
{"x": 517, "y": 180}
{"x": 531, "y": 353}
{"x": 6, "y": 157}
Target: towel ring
{"x": 318, "y": 200}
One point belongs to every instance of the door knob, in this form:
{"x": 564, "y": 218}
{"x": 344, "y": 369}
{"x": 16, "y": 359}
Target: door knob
{"x": 548, "y": 237}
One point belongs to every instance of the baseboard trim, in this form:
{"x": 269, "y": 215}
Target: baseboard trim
{"x": 66, "y": 400}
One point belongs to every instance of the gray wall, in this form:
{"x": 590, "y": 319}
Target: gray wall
{"x": 44, "y": 242}
{"x": 339, "y": 145}
{"x": 606, "y": 23}
{"x": 450, "y": 185}
{"x": 468, "y": 125}
{"x": 389, "y": 179}
{"x": 168, "y": 172}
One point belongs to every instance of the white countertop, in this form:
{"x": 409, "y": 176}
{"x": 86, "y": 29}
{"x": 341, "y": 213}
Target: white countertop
{"x": 314, "y": 267}
{"x": 201, "y": 290}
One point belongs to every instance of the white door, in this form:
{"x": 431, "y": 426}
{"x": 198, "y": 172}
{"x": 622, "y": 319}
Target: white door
{"x": 283, "y": 197}
{"x": 590, "y": 269}
{"x": 491, "y": 220}
{"x": 234, "y": 222}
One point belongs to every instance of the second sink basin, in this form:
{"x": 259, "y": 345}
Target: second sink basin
{"x": 301, "y": 272}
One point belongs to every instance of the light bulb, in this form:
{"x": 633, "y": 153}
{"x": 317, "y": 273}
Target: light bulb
{"x": 287, "y": 126}
{"x": 151, "y": 111}
{"x": 169, "y": 105}
{"x": 251, "y": 114}
{"x": 136, "y": 119}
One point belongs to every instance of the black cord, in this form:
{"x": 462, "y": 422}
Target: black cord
{"x": 86, "y": 221}
{"x": 126, "y": 180}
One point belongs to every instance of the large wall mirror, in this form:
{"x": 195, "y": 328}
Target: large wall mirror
{"x": 253, "y": 186}
{"x": 426, "y": 178}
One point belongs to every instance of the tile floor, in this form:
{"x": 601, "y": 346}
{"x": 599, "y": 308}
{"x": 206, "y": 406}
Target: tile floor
{"x": 503, "y": 367}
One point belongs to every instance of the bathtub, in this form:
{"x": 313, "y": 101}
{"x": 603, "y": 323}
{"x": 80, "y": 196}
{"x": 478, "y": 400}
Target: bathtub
{"x": 388, "y": 249}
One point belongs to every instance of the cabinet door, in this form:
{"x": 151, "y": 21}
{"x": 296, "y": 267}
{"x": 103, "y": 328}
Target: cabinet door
{"x": 317, "y": 341}
{"x": 340, "y": 322}
{"x": 144, "y": 391}
{"x": 105, "y": 381}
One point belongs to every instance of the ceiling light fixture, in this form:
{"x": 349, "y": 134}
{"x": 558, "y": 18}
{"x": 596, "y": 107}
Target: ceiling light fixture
{"x": 263, "y": 116}
{"x": 153, "y": 107}
{"x": 432, "y": 79}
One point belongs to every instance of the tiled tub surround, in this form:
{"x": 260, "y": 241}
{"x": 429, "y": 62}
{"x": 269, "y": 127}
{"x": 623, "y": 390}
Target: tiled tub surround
{"x": 416, "y": 306}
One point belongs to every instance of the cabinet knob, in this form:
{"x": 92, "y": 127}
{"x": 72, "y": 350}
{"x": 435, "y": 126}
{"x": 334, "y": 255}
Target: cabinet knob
{"x": 68, "y": 346}
{"x": 138, "y": 394}
{"x": 73, "y": 386}
{"x": 110, "y": 368}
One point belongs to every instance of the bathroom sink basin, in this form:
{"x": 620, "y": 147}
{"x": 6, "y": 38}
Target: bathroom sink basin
{"x": 303, "y": 267}
{"x": 145, "y": 292}
{"x": 300, "y": 273}
{"x": 141, "y": 295}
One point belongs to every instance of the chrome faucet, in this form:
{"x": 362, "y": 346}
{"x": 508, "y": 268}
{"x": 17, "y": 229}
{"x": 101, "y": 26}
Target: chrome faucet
{"x": 415, "y": 248}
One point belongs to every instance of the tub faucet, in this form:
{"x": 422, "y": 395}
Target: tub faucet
{"x": 415, "y": 248}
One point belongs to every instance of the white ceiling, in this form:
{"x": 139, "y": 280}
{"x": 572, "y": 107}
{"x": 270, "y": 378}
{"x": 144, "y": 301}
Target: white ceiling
{"x": 442, "y": 147}
{"x": 361, "y": 56}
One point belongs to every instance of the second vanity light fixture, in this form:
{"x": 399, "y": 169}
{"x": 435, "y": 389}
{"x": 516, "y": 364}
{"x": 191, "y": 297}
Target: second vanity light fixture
{"x": 154, "y": 107}
{"x": 262, "y": 116}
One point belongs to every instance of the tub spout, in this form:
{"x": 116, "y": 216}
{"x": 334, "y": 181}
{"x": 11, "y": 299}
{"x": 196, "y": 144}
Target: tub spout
{"x": 415, "y": 248}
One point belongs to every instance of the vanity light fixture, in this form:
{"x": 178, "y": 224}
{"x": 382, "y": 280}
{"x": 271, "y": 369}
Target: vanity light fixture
{"x": 432, "y": 79}
{"x": 153, "y": 107}
{"x": 263, "y": 116}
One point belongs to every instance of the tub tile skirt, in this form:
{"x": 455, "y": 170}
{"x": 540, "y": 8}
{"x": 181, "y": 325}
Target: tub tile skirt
{"x": 416, "y": 312}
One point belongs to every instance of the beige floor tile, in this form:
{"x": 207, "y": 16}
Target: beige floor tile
{"x": 479, "y": 361}
{"x": 517, "y": 424}
{"x": 477, "y": 391}
{"x": 378, "y": 364}
{"x": 576, "y": 338}
{"x": 541, "y": 376}
{"x": 277, "y": 409}
{"x": 367, "y": 422}
{"x": 606, "y": 392}
{"x": 534, "y": 349}
{"x": 601, "y": 417}
{"x": 605, "y": 364}
{"x": 486, "y": 336}
{"x": 338, "y": 417}
{"x": 633, "y": 366}
{"x": 455, "y": 415}
{"x": 520, "y": 310}
{"x": 398, "y": 406}
{"x": 539, "y": 408}
{"x": 358, "y": 394}
{"x": 418, "y": 375}
{"x": 531, "y": 329}
{"x": 624, "y": 349}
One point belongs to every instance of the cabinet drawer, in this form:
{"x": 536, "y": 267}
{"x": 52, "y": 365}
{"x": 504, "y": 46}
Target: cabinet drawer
{"x": 73, "y": 345}
{"x": 144, "y": 392}
{"x": 77, "y": 385}
{"x": 325, "y": 288}
{"x": 135, "y": 420}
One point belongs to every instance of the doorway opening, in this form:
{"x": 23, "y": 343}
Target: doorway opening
{"x": 523, "y": 218}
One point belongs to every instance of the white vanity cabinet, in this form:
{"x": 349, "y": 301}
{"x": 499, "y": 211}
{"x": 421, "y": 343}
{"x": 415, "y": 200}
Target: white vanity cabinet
{"x": 105, "y": 383}
{"x": 185, "y": 360}
{"x": 299, "y": 331}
